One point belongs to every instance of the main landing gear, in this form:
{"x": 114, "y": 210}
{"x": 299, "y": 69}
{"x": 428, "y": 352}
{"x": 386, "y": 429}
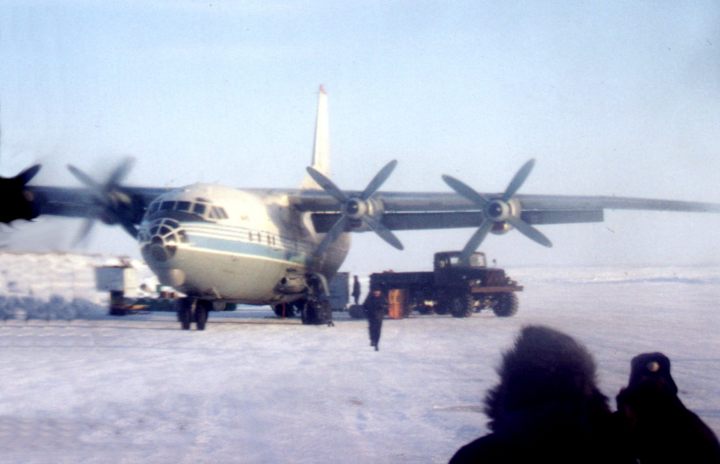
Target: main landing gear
{"x": 193, "y": 310}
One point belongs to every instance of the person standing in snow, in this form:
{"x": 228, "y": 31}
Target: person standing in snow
{"x": 356, "y": 290}
{"x": 375, "y": 306}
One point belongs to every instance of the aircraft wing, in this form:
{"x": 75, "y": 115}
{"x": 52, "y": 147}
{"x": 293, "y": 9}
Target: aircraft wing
{"x": 423, "y": 210}
{"x": 108, "y": 201}
{"x": 335, "y": 211}
{"x": 84, "y": 203}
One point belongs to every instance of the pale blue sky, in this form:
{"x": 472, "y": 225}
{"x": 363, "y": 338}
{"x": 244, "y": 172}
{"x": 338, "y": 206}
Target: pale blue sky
{"x": 618, "y": 98}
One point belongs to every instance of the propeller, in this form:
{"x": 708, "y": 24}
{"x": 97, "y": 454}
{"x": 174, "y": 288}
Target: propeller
{"x": 17, "y": 201}
{"x": 116, "y": 205}
{"x": 497, "y": 210}
{"x": 355, "y": 208}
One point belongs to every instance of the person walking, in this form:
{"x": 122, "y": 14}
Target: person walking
{"x": 375, "y": 306}
{"x": 356, "y": 290}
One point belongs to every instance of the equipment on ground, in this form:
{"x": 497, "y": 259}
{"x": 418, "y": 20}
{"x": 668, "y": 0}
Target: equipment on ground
{"x": 125, "y": 294}
{"x": 456, "y": 285}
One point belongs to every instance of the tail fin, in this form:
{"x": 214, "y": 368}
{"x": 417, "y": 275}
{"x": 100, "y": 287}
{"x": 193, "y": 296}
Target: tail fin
{"x": 321, "y": 148}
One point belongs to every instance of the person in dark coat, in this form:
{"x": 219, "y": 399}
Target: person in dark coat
{"x": 375, "y": 307}
{"x": 657, "y": 425}
{"x": 356, "y": 289}
{"x": 547, "y": 407}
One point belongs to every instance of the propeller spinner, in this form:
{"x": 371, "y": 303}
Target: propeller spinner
{"x": 116, "y": 206}
{"x": 497, "y": 210}
{"x": 355, "y": 208}
{"x": 17, "y": 201}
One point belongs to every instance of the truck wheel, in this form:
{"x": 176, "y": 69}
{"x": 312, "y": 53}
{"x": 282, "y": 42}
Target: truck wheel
{"x": 507, "y": 305}
{"x": 424, "y": 309}
{"x": 462, "y": 306}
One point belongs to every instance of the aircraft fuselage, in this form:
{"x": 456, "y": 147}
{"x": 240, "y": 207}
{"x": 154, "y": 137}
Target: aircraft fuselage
{"x": 225, "y": 244}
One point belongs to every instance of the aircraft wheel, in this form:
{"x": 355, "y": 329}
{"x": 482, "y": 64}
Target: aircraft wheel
{"x": 286, "y": 310}
{"x": 186, "y": 308}
{"x": 308, "y": 314}
{"x": 201, "y": 314}
{"x": 506, "y": 305}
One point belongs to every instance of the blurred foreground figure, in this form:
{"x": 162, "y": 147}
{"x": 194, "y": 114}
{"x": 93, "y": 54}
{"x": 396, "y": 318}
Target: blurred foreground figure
{"x": 547, "y": 407}
{"x": 658, "y": 427}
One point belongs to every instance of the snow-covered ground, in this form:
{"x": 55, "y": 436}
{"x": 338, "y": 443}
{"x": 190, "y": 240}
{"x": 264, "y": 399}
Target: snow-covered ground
{"x": 78, "y": 386}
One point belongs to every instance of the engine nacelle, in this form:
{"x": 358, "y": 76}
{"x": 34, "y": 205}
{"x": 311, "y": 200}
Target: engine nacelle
{"x": 501, "y": 228}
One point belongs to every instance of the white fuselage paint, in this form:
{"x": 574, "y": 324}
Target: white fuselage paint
{"x": 231, "y": 245}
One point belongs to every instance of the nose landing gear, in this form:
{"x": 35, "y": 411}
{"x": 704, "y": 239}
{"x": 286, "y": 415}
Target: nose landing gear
{"x": 193, "y": 310}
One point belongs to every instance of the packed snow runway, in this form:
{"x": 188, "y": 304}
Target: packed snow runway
{"x": 254, "y": 389}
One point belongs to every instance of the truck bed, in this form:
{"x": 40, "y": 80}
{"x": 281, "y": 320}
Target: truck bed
{"x": 403, "y": 279}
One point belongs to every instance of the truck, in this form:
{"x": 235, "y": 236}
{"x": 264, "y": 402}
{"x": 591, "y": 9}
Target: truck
{"x": 455, "y": 286}
{"x": 122, "y": 283}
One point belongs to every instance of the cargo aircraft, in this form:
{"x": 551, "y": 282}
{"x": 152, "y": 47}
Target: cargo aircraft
{"x": 220, "y": 245}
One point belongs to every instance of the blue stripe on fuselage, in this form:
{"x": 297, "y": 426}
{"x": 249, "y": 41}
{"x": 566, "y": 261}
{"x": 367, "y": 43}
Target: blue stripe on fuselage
{"x": 223, "y": 245}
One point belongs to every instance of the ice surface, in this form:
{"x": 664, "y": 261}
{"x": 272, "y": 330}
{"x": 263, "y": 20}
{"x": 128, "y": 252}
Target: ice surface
{"x": 86, "y": 387}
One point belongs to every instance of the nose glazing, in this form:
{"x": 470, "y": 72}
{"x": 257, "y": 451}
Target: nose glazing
{"x": 160, "y": 239}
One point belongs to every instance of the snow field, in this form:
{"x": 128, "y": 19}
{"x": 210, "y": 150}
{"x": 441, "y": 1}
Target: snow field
{"x": 254, "y": 389}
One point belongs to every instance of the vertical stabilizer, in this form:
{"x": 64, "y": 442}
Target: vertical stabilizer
{"x": 321, "y": 148}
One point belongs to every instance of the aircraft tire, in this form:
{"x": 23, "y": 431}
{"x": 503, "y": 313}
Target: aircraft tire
{"x": 308, "y": 315}
{"x": 185, "y": 312}
{"x": 201, "y": 314}
{"x": 506, "y": 305}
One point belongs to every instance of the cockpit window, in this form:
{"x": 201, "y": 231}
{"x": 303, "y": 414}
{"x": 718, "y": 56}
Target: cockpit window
{"x": 217, "y": 213}
{"x": 200, "y": 207}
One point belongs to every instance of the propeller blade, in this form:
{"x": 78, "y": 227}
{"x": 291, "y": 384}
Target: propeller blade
{"x": 129, "y": 227}
{"x": 378, "y": 180}
{"x": 116, "y": 206}
{"x": 465, "y": 190}
{"x": 518, "y": 180}
{"x": 530, "y": 231}
{"x": 331, "y": 236}
{"x": 120, "y": 172}
{"x": 327, "y": 184}
{"x": 84, "y": 178}
{"x": 84, "y": 232}
{"x": 384, "y": 233}
{"x": 27, "y": 175}
{"x": 476, "y": 240}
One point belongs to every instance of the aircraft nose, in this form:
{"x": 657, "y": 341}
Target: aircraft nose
{"x": 160, "y": 239}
